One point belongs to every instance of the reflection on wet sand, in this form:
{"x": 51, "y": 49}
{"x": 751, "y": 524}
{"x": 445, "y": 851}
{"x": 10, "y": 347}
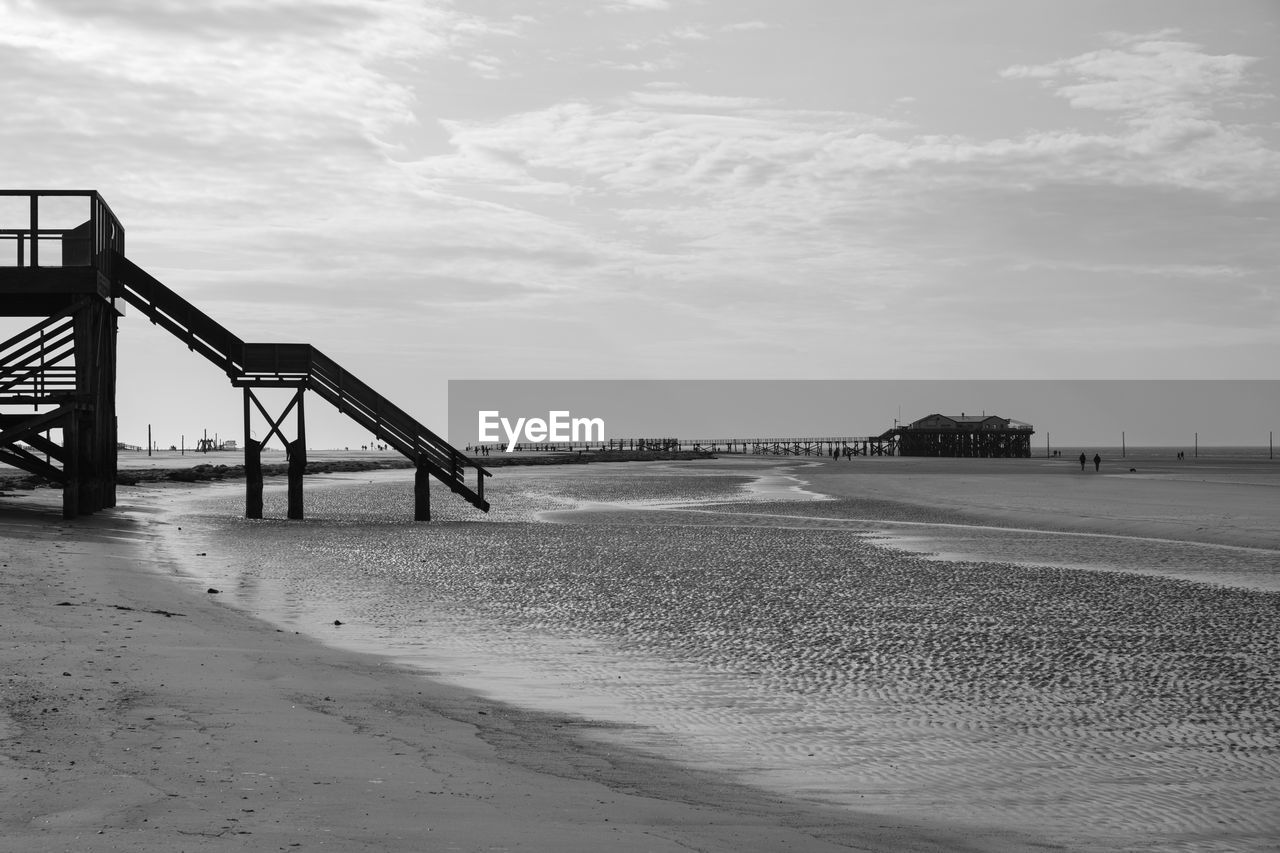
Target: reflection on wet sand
{"x": 787, "y": 642}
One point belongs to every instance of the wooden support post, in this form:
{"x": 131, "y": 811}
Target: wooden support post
{"x": 70, "y": 466}
{"x": 297, "y": 461}
{"x": 252, "y": 479}
{"x": 252, "y": 464}
{"x": 93, "y": 436}
{"x": 35, "y": 230}
{"x": 90, "y": 462}
{"x": 105, "y": 413}
{"x": 421, "y": 492}
{"x": 297, "y": 467}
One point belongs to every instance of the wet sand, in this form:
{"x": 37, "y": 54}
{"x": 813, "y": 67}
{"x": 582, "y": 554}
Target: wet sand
{"x": 206, "y": 729}
{"x": 141, "y": 713}
{"x": 1227, "y": 500}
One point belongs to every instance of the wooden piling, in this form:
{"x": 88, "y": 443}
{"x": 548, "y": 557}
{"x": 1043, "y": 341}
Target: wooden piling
{"x": 252, "y": 479}
{"x": 71, "y": 466}
{"x": 297, "y": 468}
{"x": 421, "y": 492}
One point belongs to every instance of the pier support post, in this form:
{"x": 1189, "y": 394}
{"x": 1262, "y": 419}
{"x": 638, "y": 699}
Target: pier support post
{"x": 297, "y": 460}
{"x": 296, "y": 451}
{"x": 71, "y": 466}
{"x": 89, "y": 427}
{"x": 252, "y": 479}
{"x": 421, "y": 492}
{"x": 297, "y": 468}
{"x": 252, "y": 465}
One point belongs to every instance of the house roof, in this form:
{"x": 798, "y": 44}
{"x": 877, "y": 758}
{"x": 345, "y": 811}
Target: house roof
{"x": 972, "y": 420}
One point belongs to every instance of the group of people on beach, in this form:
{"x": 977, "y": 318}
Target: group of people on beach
{"x": 1097, "y": 461}
{"x": 837, "y": 452}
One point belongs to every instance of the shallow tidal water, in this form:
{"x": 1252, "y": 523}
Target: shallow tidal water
{"x": 1088, "y": 690}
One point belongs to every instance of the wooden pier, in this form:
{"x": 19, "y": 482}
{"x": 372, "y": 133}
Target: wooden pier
{"x": 881, "y": 445}
{"x": 57, "y": 377}
{"x": 985, "y": 436}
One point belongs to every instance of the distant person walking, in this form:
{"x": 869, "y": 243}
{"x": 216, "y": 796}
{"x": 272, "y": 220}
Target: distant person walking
{"x": 1097, "y": 462}
{"x": 1083, "y": 459}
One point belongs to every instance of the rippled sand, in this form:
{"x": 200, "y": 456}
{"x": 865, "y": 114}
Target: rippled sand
{"x": 791, "y": 643}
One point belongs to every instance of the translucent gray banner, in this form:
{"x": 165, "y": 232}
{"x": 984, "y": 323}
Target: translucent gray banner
{"x": 1164, "y": 413}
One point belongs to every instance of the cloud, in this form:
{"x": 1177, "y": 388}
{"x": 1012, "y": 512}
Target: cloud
{"x": 712, "y": 199}
{"x": 683, "y": 99}
{"x": 262, "y": 163}
{"x": 1169, "y": 97}
{"x": 279, "y": 70}
{"x": 690, "y": 33}
{"x": 637, "y": 5}
{"x": 1145, "y": 80}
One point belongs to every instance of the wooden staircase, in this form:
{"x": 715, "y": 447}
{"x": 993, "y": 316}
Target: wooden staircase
{"x": 266, "y": 365}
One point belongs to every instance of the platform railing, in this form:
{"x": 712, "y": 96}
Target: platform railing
{"x": 89, "y": 242}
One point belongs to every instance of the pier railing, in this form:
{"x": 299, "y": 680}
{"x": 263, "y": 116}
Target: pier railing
{"x": 882, "y": 445}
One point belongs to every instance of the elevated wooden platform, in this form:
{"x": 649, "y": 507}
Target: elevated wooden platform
{"x": 43, "y": 291}
{"x": 62, "y": 368}
{"x": 973, "y": 436}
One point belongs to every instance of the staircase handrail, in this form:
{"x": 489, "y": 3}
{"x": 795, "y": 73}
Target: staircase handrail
{"x": 326, "y": 377}
{"x": 387, "y": 420}
{"x": 185, "y": 321}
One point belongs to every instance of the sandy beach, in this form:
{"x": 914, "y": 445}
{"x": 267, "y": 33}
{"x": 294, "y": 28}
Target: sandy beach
{"x": 142, "y": 712}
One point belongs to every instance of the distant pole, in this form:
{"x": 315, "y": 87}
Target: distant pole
{"x": 148, "y": 439}
{"x": 1047, "y": 452}
{"x": 1271, "y": 444}
{"x": 182, "y": 443}
{"x": 1122, "y": 446}
{"x": 1197, "y": 453}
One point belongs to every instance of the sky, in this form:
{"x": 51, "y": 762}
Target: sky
{"x": 660, "y": 189}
